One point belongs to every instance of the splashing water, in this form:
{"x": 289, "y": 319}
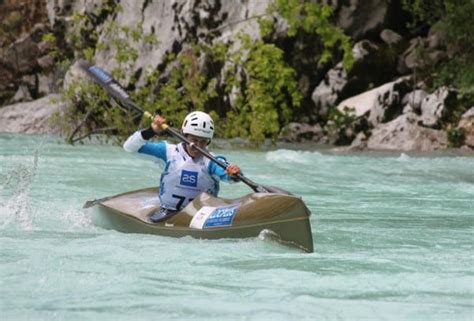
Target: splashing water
{"x": 14, "y": 192}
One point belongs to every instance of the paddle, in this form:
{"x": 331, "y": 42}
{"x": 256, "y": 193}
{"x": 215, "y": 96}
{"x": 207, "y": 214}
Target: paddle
{"x": 106, "y": 81}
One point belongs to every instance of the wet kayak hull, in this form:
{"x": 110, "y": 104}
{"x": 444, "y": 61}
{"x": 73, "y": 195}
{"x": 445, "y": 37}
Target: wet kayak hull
{"x": 285, "y": 218}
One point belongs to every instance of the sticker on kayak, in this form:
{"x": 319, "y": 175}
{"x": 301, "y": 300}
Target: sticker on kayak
{"x": 209, "y": 217}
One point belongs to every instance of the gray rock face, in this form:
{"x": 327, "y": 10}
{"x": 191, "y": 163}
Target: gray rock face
{"x": 338, "y": 85}
{"x": 359, "y": 143}
{"x": 437, "y": 106}
{"x": 422, "y": 52}
{"x": 21, "y": 55}
{"x": 358, "y": 17}
{"x": 31, "y": 117}
{"x": 175, "y": 23}
{"x": 404, "y": 133}
{"x": 382, "y": 103}
{"x": 390, "y": 37}
{"x": 467, "y": 123}
{"x": 327, "y": 93}
{"x": 388, "y": 105}
{"x": 414, "y": 100}
{"x": 298, "y": 132}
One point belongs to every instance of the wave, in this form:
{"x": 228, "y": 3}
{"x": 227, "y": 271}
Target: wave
{"x": 292, "y": 156}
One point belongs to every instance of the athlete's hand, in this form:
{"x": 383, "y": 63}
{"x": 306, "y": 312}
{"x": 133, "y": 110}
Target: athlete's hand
{"x": 232, "y": 169}
{"x": 158, "y": 121}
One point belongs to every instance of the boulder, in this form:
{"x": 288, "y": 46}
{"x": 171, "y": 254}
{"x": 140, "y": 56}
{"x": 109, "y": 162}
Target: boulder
{"x": 390, "y": 37}
{"x": 326, "y": 94}
{"x": 45, "y": 84}
{"x": 22, "y": 94}
{"x": 405, "y": 134}
{"x": 420, "y": 53}
{"x": 438, "y": 106}
{"x": 21, "y": 56}
{"x": 436, "y": 38}
{"x": 467, "y": 124}
{"x": 359, "y": 143}
{"x": 414, "y": 100}
{"x": 382, "y": 104}
{"x": 32, "y": 117}
{"x": 299, "y": 132}
{"x": 338, "y": 84}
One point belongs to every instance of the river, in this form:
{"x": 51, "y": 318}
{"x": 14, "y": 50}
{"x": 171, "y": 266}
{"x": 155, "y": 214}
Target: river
{"x": 393, "y": 238}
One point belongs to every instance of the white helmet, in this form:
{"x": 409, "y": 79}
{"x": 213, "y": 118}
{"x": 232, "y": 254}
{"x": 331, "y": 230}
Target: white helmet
{"x": 198, "y": 124}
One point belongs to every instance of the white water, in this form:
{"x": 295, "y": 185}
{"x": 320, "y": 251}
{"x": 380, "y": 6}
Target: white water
{"x": 393, "y": 237}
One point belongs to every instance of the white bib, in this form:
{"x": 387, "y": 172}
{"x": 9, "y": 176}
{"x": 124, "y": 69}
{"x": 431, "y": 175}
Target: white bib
{"x": 184, "y": 178}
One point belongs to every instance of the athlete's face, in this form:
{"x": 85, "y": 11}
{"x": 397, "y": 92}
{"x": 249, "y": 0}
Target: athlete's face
{"x": 198, "y": 141}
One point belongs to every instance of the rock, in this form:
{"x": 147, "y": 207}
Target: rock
{"x": 388, "y": 105}
{"x": 46, "y": 62}
{"x": 177, "y": 23}
{"x": 420, "y": 53}
{"x": 436, "y": 39}
{"x": 338, "y": 85}
{"x": 45, "y": 47}
{"x": 21, "y": 55}
{"x": 404, "y": 133}
{"x": 359, "y": 143}
{"x": 390, "y": 37}
{"x": 414, "y": 99}
{"x": 32, "y": 117}
{"x": 298, "y": 132}
{"x": 358, "y": 18}
{"x": 436, "y": 56}
{"x": 58, "y": 9}
{"x": 245, "y": 10}
{"x": 22, "y": 94}
{"x": 382, "y": 103}
{"x": 467, "y": 124}
{"x": 44, "y": 84}
{"x": 74, "y": 77}
{"x": 437, "y": 106}
{"x": 410, "y": 58}
{"x": 327, "y": 92}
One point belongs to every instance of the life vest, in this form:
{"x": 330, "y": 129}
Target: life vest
{"x": 184, "y": 178}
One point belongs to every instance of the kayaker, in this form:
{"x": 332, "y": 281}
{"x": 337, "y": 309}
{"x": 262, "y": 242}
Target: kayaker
{"x": 186, "y": 172}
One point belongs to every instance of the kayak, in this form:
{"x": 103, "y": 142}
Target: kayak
{"x": 284, "y": 218}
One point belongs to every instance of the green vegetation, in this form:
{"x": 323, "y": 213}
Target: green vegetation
{"x": 186, "y": 87}
{"x": 247, "y": 86}
{"x": 456, "y": 136}
{"x": 341, "y": 125}
{"x": 94, "y": 112}
{"x": 312, "y": 18}
{"x": 453, "y": 20}
{"x": 265, "y": 91}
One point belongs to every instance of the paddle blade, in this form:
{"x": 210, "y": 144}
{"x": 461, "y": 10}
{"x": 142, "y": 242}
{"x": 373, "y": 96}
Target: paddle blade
{"x": 106, "y": 81}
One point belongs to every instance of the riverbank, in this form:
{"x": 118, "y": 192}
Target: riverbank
{"x": 392, "y": 87}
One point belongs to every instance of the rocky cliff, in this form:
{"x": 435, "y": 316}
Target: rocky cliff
{"x": 380, "y": 103}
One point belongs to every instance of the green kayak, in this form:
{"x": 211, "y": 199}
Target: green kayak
{"x": 283, "y": 217}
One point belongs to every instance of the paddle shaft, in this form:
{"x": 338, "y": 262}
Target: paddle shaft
{"x": 107, "y": 82}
